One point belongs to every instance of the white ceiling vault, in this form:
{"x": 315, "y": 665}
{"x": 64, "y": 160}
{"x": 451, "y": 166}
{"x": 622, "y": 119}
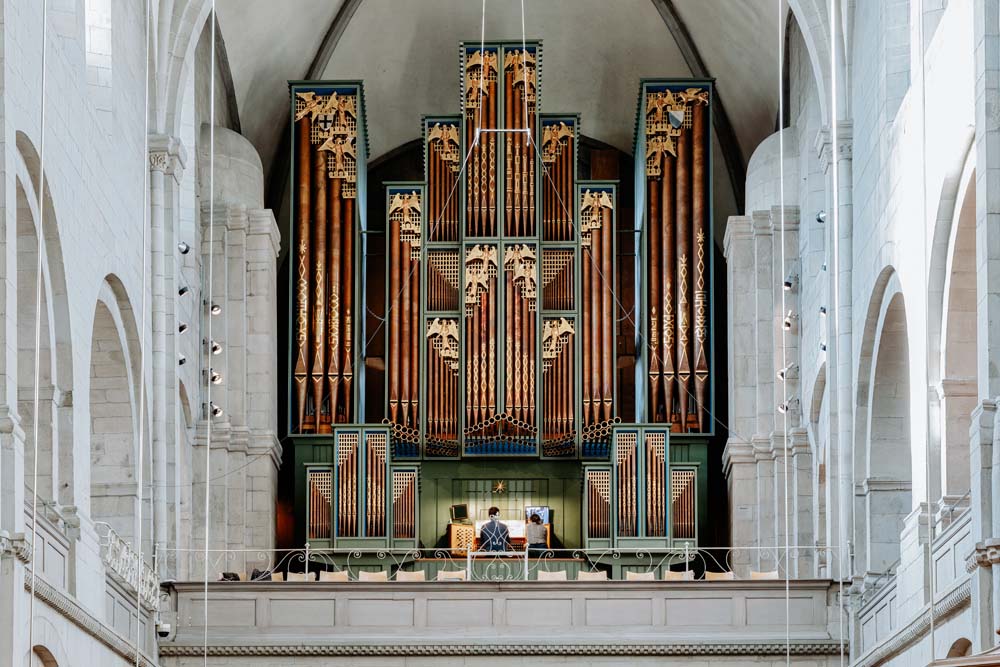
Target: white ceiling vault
{"x": 594, "y": 53}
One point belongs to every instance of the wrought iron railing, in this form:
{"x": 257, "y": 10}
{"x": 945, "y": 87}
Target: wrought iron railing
{"x": 349, "y": 564}
{"x": 123, "y": 560}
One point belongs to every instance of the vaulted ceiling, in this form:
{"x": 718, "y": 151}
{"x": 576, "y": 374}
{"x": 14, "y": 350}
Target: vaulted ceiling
{"x": 595, "y": 52}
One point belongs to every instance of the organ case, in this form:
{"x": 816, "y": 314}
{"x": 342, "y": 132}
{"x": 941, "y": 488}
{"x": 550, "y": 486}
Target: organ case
{"x": 673, "y": 161}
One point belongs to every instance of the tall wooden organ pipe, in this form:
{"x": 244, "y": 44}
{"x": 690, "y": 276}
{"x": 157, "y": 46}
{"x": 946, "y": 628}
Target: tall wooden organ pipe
{"x": 325, "y": 124}
{"x": 404, "y": 229}
{"x": 481, "y": 97}
{"x": 676, "y": 122}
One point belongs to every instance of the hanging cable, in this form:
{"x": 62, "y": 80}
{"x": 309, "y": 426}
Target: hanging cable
{"x": 144, "y": 170}
{"x": 923, "y": 223}
{"x": 211, "y": 254}
{"x": 39, "y": 250}
{"x": 784, "y": 330}
{"x": 835, "y": 231}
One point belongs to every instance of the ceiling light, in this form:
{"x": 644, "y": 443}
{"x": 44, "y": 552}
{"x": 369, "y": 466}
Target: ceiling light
{"x": 821, "y": 217}
{"x": 215, "y": 309}
{"x": 183, "y": 248}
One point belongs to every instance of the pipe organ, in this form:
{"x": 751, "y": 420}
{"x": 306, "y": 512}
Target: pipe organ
{"x": 673, "y": 138}
{"x": 501, "y": 331}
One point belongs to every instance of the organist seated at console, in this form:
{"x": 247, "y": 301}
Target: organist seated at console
{"x": 494, "y": 534}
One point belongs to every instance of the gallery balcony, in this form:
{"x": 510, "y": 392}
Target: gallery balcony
{"x": 438, "y": 602}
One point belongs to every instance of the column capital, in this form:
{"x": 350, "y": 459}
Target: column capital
{"x": 262, "y": 223}
{"x": 737, "y": 229}
{"x": 845, "y": 143}
{"x": 167, "y": 155}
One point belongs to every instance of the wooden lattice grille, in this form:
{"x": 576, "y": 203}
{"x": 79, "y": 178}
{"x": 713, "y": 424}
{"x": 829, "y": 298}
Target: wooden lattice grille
{"x": 683, "y": 487}
{"x": 404, "y": 504}
{"x": 598, "y": 503}
{"x": 375, "y": 487}
{"x": 627, "y": 463}
{"x": 656, "y": 485}
{"x": 320, "y": 485}
{"x": 347, "y": 485}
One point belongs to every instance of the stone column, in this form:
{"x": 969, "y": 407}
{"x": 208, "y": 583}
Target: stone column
{"x": 983, "y": 451}
{"x": 738, "y": 461}
{"x": 166, "y": 166}
{"x": 839, "y": 336}
{"x": 263, "y": 242}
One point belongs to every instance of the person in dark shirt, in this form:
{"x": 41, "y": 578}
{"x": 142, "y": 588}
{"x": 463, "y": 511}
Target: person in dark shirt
{"x": 494, "y": 536}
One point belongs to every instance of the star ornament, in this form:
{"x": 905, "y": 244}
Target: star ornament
{"x": 500, "y": 487}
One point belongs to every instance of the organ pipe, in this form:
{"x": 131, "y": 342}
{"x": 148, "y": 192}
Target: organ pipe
{"x": 325, "y": 127}
{"x": 676, "y": 140}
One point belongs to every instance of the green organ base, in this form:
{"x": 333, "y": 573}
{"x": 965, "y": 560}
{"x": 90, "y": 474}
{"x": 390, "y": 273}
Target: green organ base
{"x": 443, "y": 483}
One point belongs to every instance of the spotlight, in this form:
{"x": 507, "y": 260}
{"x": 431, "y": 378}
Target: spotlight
{"x": 216, "y": 347}
{"x": 789, "y": 283}
{"x": 822, "y": 311}
{"x": 181, "y": 360}
{"x": 216, "y": 410}
{"x": 215, "y": 309}
{"x": 822, "y": 347}
{"x": 215, "y": 377}
{"x": 821, "y": 217}
{"x": 183, "y": 248}
{"x": 182, "y": 327}
{"x": 789, "y": 319}
{"x": 184, "y": 289}
{"x": 790, "y": 371}
{"x": 789, "y": 405}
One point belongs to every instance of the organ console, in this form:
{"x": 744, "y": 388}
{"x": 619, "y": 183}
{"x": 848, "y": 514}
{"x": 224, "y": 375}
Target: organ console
{"x": 502, "y": 327}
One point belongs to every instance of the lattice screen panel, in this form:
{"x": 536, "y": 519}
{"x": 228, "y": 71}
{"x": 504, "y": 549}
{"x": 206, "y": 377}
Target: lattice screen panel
{"x": 320, "y": 486}
{"x": 683, "y": 487}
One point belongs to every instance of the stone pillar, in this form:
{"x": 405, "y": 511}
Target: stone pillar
{"x": 166, "y": 166}
{"x": 738, "y": 459}
{"x": 839, "y": 336}
{"x": 263, "y": 243}
{"x": 983, "y": 450}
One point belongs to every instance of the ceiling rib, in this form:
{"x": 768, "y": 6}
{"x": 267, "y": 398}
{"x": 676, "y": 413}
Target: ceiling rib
{"x": 731, "y": 152}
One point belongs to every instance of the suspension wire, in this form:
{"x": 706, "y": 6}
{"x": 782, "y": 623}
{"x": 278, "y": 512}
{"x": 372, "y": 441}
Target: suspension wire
{"x": 208, "y": 346}
{"x": 926, "y": 272}
{"x": 784, "y": 333}
{"x": 39, "y": 251}
{"x": 835, "y": 225}
{"x": 146, "y": 218}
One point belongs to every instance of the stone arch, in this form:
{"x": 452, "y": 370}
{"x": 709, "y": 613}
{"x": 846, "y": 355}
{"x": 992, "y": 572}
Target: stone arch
{"x": 42, "y": 657}
{"x": 51, "y": 314}
{"x": 882, "y": 445}
{"x": 115, "y": 415}
{"x": 958, "y": 331}
{"x": 818, "y": 430}
{"x": 47, "y": 649}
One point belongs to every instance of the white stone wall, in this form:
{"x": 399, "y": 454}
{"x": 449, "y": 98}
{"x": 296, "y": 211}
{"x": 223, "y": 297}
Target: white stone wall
{"x": 111, "y": 390}
{"x": 885, "y": 419}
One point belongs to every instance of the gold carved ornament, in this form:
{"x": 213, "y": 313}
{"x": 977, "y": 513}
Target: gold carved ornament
{"x": 405, "y": 209}
{"x": 334, "y": 129}
{"x": 521, "y": 261}
{"x": 590, "y": 213}
{"x": 668, "y": 114}
{"x": 555, "y": 138}
{"x": 555, "y": 335}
